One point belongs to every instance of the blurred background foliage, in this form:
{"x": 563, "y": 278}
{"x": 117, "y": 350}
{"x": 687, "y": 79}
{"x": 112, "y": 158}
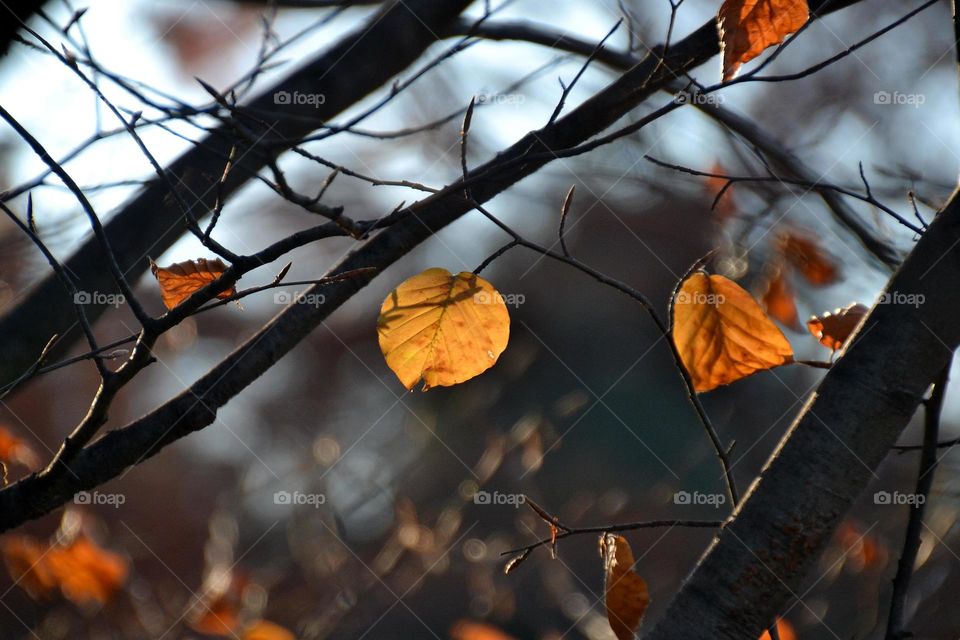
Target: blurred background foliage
{"x": 585, "y": 411}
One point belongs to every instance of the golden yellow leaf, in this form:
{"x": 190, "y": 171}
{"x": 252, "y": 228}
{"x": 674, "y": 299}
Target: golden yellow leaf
{"x": 181, "y": 280}
{"x": 265, "y": 630}
{"x": 442, "y": 328}
{"x": 722, "y": 334}
{"x": 625, "y": 591}
{"x": 748, "y": 27}
{"x": 833, "y": 329}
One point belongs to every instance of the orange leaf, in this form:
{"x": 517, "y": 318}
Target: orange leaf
{"x": 778, "y": 300}
{"x": 748, "y": 27}
{"x": 469, "y": 630}
{"x": 809, "y": 259}
{"x": 442, "y": 328}
{"x": 722, "y": 334}
{"x": 784, "y": 629}
{"x": 724, "y": 209}
{"x": 181, "y": 280}
{"x": 264, "y": 630}
{"x": 81, "y": 570}
{"x": 625, "y": 591}
{"x": 221, "y": 617}
{"x": 832, "y": 329}
{"x": 13, "y": 449}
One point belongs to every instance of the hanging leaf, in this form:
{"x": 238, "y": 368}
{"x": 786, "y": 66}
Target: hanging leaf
{"x": 722, "y": 334}
{"x": 806, "y": 256}
{"x": 833, "y": 328}
{"x": 442, "y": 328}
{"x": 265, "y": 630}
{"x": 181, "y": 280}
{"x": 625, "y": 591}
{"x": 748, "y": 27}
{"x": 778, "y": 299}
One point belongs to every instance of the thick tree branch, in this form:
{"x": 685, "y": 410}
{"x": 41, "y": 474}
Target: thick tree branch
{"x": 828, "y": 456}
{"x": 357, "y": 65}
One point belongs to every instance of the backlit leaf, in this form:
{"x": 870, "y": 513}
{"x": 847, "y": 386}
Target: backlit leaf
{"x": 806, "y": 256}
{"x": 722, "y": 334}
{"x": 625, "y": 592}
{"x": 442, "y": 328}
{"x": 748, "y": 27}
{"x": 181, "y": 280}
{"x": 833, "y": 328}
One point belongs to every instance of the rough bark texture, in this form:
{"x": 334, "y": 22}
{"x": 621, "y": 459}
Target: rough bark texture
{"x": 758, "y": 561}
{"x": 151, "y": 222}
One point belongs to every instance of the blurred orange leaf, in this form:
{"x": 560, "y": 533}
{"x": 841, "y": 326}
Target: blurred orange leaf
{"x": 748, "y": 27}
{"x": 784, "y": 629}
{"x": 832, "y": 329}
{"x": 82, "y": 571}
{"x": 470, "y": 630}
{"x": 778, "y": 300}
{"x": 442, "y": 328}
{"x": 221, "y": 617}
{"x": 722, "y": 334}
{"x": 13, "y": 449}
{"x": 625, "y": 591}
{"x": 181, "y": 280}
{"x": 264, "y": 630}
{"x": 809, "y": 259}
{"x": 724, "y": 209}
